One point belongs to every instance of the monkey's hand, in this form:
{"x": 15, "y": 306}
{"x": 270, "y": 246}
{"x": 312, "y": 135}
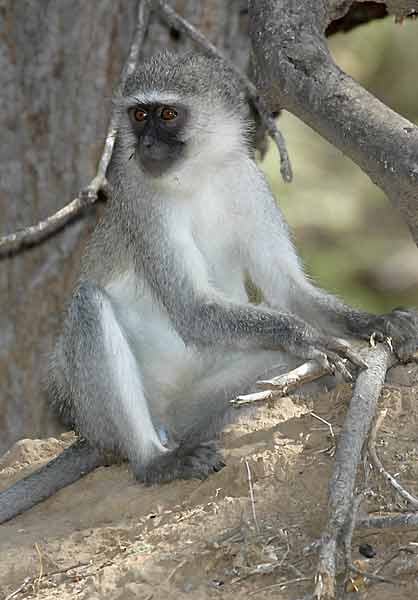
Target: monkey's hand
{"x": 331, "y": 353}
{"x": 399, "y": 328}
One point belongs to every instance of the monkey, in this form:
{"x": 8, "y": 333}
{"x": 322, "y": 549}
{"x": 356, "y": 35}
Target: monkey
{"x": 160, "y": 333}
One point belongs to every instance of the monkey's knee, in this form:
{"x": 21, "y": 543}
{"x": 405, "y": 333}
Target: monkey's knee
{"x": 86, "y": 304}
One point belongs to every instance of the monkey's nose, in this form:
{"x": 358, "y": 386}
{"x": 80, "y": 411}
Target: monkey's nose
{"x": 148, "y": 141}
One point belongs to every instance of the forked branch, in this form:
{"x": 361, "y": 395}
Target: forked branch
{"x": 296, "y": 72}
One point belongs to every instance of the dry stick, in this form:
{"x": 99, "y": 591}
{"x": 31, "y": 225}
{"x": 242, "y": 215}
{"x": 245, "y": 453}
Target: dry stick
{"x": 356, "y": 426}
{"x": 280, "y": 386}
{"x": 21, "y": 588}
{"x": 392, "y": 520}
{"x": 41, "y": 567}
{"x": 178, "y": 22}
{"x": 378, "y": 465}
{"x": 331, "y": 448}
{"x": 89, "y": 195}
{"x": 280, "y": 585}
{"x": 31, "y": 580}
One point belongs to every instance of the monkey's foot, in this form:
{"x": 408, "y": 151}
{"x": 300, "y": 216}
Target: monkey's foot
{"x": 195, "y": 463}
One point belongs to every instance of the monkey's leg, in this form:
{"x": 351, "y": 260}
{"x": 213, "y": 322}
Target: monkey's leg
{"x": 203, "y": 412}
{"x": 94, "y": 376}
{"x": 76, "y": 460}
{"x": 107, "y": 392}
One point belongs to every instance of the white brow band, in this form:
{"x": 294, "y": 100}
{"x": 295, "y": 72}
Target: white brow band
{"x": 155, "y": 97}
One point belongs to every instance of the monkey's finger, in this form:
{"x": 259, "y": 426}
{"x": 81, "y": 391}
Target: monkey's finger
{"x": 338, "y": 366}
{"x": 322, "y": 360}
{"x": 406, "y": 352}
{"x": 344, "y": 349}
{"x": 219, "y": 466}
{"x": 342, "y": 369}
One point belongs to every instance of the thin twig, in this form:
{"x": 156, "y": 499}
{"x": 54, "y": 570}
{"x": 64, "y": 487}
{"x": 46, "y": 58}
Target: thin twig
{"x": 19, "y": 589}
{"x": 406, "y": 520}
{"x": 179, "y": 23}
{"x": 305, "y": 373}
{"x": 31, "y": 580}
{"x": 254, "y": 398}
{"x": 174, "y": 571}
{"x": 250, "y": 485}
{"x": 279, "y": 585}
{"x": 282, "y": 385}
{"x": 89, "y": 195}
{"x": 41, "y": 566}
{"x": 377, "y": 464}
{"x": 330, "y": 449}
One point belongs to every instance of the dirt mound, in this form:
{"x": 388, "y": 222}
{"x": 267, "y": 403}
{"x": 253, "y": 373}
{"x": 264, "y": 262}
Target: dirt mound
{"x": 244, "y": 532}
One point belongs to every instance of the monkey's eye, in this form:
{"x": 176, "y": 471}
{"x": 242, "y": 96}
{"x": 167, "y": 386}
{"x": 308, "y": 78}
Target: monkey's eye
{"x": 168, "y": 114}
{"x": 139, "y": 115}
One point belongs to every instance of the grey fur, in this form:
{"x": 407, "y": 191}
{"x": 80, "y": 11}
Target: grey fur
{"x": 167, "y": 72}
{"x": 159, "y": 333}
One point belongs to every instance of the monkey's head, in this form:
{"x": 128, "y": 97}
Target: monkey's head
{"x": 180, "y": 112}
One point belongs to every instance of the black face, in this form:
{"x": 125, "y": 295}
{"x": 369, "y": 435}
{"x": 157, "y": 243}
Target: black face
{"x": 158, "y": 128}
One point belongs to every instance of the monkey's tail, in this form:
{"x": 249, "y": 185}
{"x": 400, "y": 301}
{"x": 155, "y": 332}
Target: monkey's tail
{"x": 73, "y": 463}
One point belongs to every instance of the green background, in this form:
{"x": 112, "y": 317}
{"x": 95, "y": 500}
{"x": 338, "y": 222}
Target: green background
{"x": 352, "y": 241}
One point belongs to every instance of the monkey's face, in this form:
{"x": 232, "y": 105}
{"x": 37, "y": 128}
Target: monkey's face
{"x": 159, "y": 131}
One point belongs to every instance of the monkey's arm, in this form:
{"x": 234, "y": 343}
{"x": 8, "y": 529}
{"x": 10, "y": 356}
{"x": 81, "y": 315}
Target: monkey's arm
{"x": 73, "y": 463}
{"x": 203, "y": 316}
{"x": 400, "y": 325}
{"x": 275, "y": 269}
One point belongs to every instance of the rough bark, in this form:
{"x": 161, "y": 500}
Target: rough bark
{"x": 295, "y": 71}
{"x": 56, "y": 60}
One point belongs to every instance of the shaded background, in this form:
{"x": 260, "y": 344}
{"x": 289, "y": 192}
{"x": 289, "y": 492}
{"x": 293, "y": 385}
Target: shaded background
{"x": 353, "y": 242}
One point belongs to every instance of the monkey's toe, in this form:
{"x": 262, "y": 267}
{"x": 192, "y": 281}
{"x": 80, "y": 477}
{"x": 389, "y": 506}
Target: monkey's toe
{"x": 204, "y": 460}
{"x": 195, "y": 463}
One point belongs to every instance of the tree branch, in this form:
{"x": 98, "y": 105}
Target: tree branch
{"x": 89, "y": 195}
{"x": 406, "y": 520}
{"x": 350, "y": 442}
{"x": 295, "y": 71}
{"x": 358, "y": 13}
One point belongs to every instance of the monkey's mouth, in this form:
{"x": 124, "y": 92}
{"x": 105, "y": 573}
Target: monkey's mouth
{"x": 159, "y": 159}
{"x": 156, "y": 167}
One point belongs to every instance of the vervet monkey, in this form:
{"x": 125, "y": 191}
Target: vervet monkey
{"x": 159, "y": 334}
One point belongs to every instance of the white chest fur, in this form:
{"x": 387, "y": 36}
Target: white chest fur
{"x": 204, "y": 228}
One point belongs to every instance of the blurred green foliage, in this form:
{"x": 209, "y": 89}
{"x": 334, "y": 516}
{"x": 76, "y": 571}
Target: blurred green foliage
{"x": 352, "y": 241}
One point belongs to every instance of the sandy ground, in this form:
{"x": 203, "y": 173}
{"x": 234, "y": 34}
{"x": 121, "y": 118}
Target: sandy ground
{"x": 243, "y": 533}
